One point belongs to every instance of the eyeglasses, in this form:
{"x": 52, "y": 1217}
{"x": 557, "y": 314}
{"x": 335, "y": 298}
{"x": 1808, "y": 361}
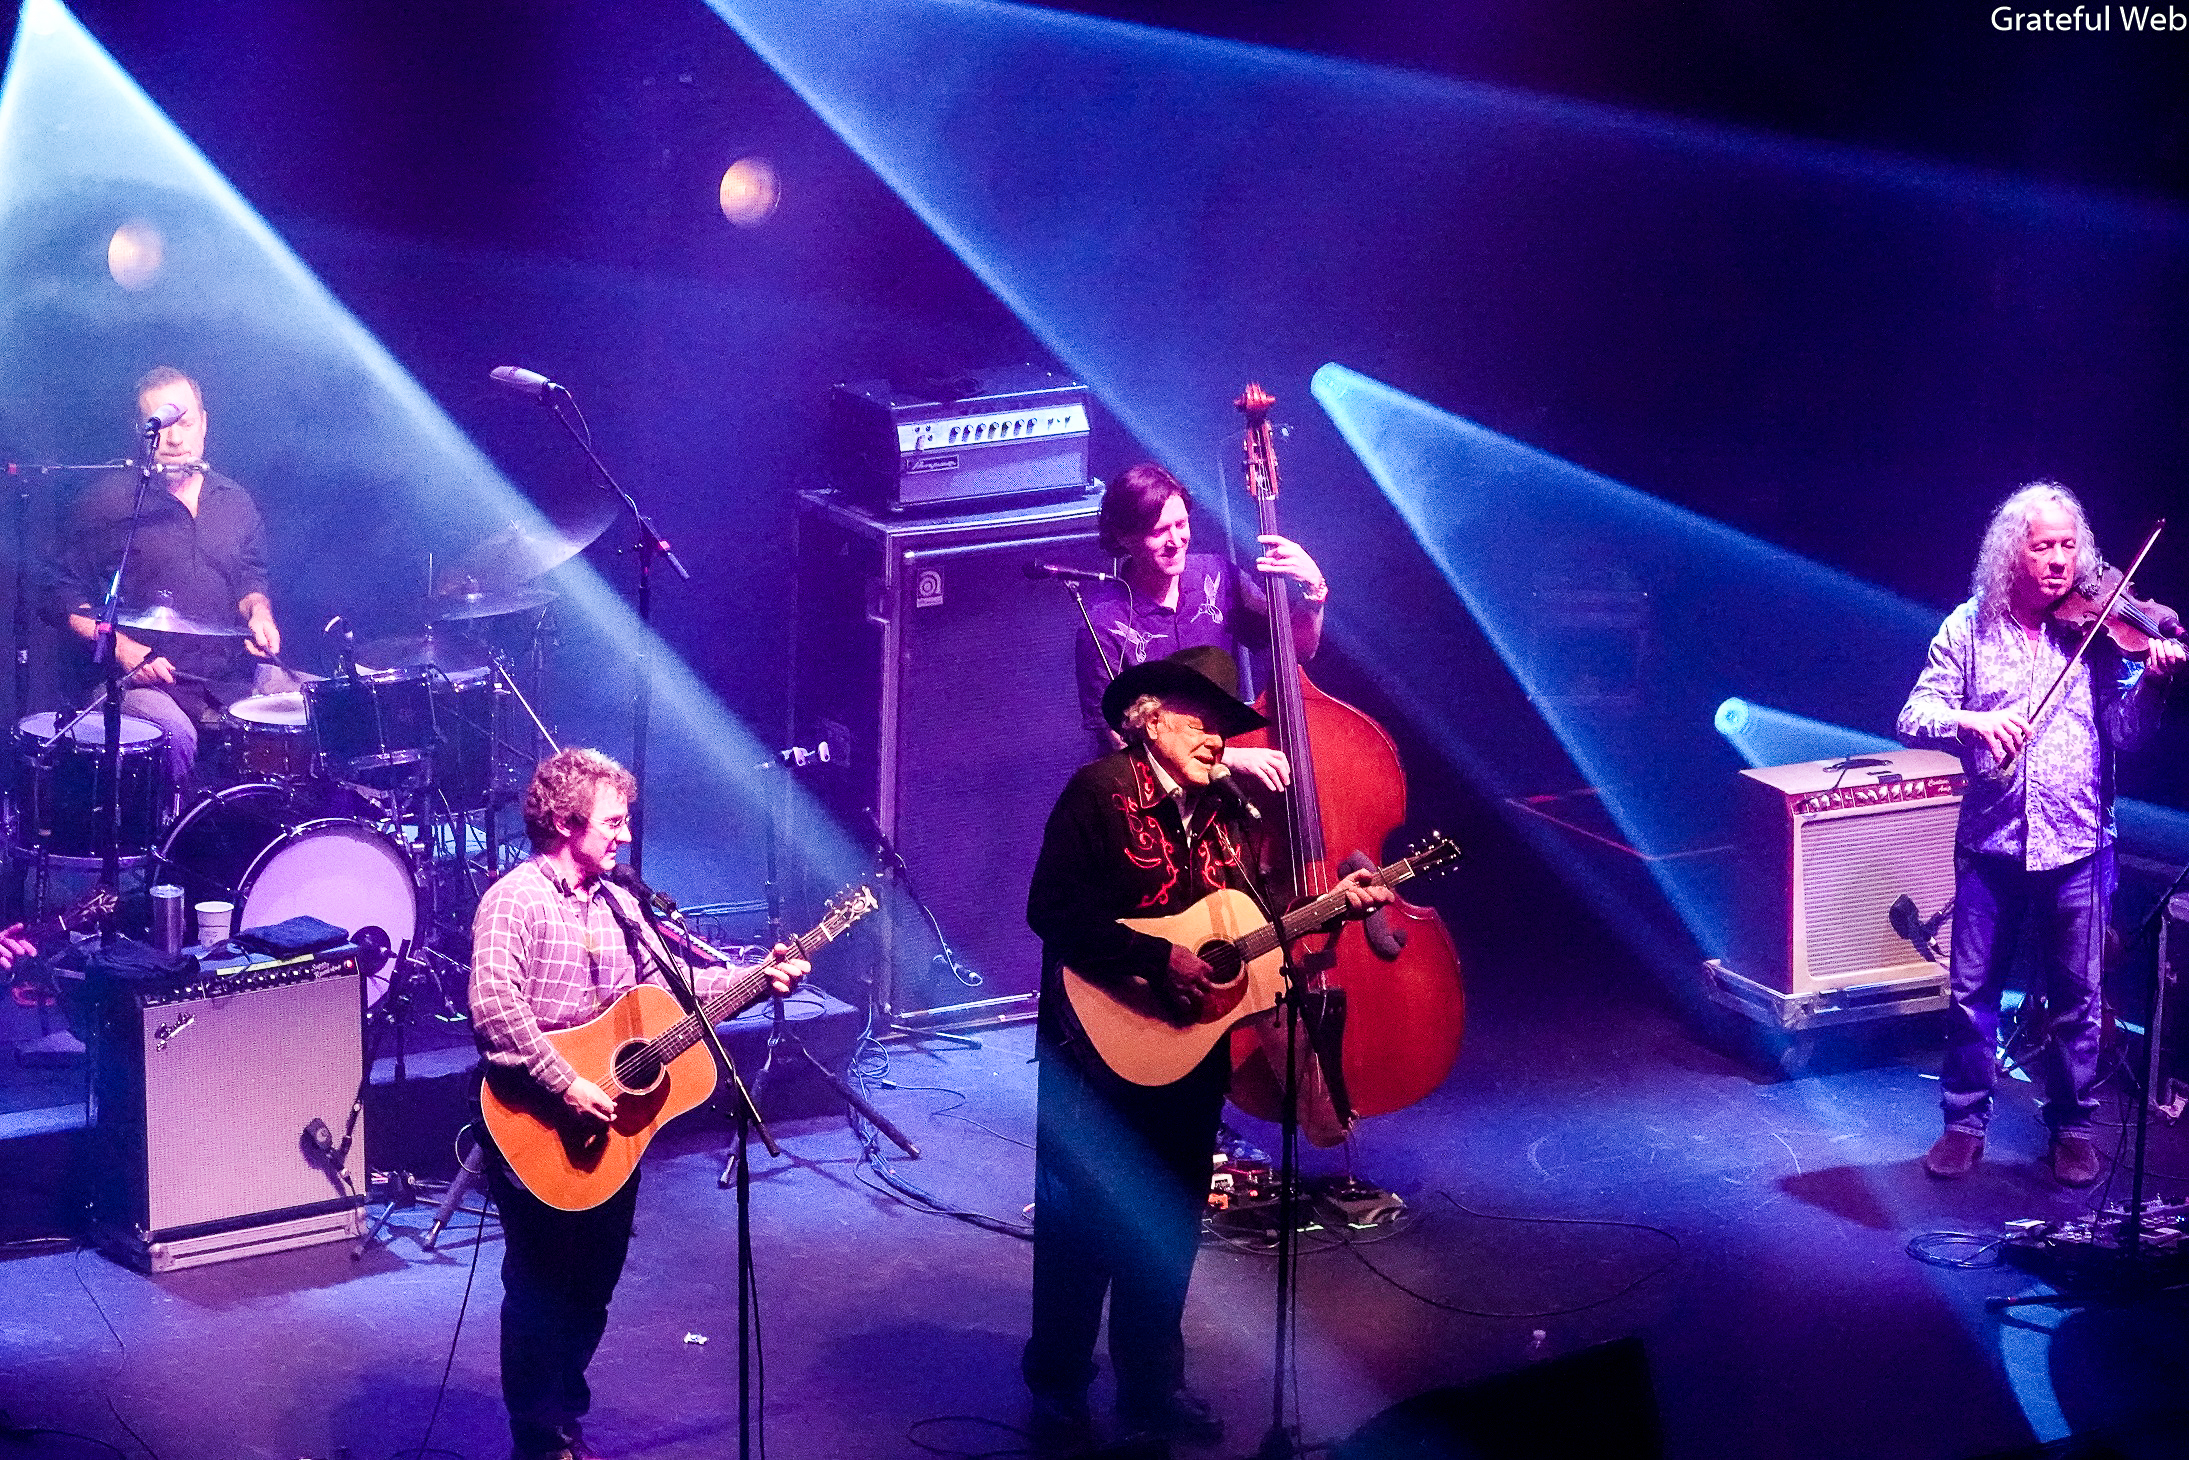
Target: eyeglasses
{"x": 612, "y": 824}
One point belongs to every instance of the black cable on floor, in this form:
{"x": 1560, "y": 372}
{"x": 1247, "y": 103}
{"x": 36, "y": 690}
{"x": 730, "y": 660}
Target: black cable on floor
{"x": 463, "y": 1307}
{"x": 15, "y": 1433}
{"x": 1938, "y": 1249}
{"x": 1439, "y": 1304}
{"x": 104, "y": 1393}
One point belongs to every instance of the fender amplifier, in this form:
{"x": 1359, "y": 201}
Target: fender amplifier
{"x": 206, "y": 1093}
{"x": 1827, "y": 847}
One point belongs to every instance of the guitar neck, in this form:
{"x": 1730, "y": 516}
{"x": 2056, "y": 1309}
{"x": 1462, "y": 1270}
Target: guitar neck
{"x": 1309, "y": 916}
{"x": 744, "y": 989}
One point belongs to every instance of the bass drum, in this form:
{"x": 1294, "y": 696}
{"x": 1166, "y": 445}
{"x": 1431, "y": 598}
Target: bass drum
{"x": 277, "y": 855}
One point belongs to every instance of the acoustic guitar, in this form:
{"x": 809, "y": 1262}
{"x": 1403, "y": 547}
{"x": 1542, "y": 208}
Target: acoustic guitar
{"x": 651, "y": 1058}
{"x": 1245, "y": 952}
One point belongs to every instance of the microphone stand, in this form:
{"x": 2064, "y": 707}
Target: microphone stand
{"x": 1279, "y": 1442}
{"x": 779, "y": 1030}
{"x": 748, "y": 1121}
{"x": 893, "y": 865}
{"x": 649, "y": 544}
{"x": 104, "y": 652}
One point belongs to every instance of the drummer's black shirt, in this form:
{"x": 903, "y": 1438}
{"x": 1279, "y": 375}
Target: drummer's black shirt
{"x": 206, "y": 564}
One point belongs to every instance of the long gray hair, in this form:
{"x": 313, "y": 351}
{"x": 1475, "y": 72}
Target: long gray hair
{"x": 1998, "y": 560}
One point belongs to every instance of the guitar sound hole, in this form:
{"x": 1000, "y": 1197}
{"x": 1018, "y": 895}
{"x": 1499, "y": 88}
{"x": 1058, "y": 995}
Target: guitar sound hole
{"x": 637, "y": 1068}
{"x": 1223, "y": 961}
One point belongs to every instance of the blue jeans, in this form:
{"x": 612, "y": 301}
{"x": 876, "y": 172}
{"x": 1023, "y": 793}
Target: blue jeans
{"x": 1997, "y": 902}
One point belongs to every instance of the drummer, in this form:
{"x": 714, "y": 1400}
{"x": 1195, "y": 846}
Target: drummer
{"x": 198, "y": 562}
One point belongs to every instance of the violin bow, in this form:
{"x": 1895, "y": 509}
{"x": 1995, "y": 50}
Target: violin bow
{"x": 2097, "y": 627}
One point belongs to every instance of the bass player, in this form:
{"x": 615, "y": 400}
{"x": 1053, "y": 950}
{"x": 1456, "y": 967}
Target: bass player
{"x": 555, "y": 943}
{"x": 1121, "y": 1171}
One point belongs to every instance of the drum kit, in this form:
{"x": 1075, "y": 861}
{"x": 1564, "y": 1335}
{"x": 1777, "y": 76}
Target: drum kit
{"x": 372, "y": 799}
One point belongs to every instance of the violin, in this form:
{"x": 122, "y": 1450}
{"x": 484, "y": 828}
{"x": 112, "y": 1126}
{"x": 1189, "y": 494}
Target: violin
{"x": 2131, "y": 622}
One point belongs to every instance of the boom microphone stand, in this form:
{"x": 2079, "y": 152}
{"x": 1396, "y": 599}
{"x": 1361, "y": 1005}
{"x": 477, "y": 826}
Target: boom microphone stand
{"x": 779, "y": 1029}
{"x": 647, "y": 542}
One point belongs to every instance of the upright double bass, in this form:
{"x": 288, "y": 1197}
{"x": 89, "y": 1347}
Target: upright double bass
{"x": 1404, "y": 1013}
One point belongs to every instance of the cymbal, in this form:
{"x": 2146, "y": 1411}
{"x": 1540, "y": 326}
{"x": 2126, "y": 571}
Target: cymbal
{"x": 475, "y": 602}
{"x": 519, "y": 553}
{"x": 449, "y": 653}
{"x": 162, "y": 618}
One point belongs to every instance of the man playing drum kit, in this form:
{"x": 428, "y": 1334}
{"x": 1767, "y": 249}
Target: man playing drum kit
{"x": 197, "y": 630}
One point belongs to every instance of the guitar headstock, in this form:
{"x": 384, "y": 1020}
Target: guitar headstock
{"x": 1433, "y": 853}
{"x": 844, "y": 909}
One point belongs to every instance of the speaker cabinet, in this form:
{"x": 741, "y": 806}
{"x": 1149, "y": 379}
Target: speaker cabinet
{"x": 1826, "y": 848}
{"x": 203, "y": 1094}
{"x": 953, "y": 674}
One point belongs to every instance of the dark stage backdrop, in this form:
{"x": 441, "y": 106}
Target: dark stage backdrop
{"x": 504, "y": 183}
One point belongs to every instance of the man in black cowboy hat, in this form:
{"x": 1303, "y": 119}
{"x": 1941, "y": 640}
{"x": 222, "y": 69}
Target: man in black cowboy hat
{"x": 1121, "y": 1171}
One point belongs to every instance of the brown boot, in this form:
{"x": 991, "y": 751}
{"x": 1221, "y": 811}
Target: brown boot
{"x": 1954, "y": 1154}
{"x": 2074, "y": 1159}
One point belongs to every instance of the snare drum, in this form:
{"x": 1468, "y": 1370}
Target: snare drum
{"x": 373, "y": 720}
{"x": 269, "y": 738}
{"x": 55, "y": 796}
{"x": 241, "y": 845}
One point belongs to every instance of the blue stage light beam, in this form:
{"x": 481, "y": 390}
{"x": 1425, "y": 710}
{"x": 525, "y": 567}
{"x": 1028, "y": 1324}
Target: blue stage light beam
{"x": 1631, "y": 620}
{"x": 1764, "y": 736}
{"x": 303, "y": 396}
{"x": 1174, "y": 215}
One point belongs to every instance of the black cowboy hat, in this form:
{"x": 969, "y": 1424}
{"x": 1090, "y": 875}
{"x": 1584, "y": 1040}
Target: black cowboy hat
{"x": 1205, "y": 674}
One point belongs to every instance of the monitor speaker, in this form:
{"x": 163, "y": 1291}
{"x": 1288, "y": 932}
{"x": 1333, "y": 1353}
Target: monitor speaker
{"x": 952, "y": 672}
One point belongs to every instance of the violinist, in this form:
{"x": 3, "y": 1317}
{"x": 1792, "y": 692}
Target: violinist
{"x": 2033, "y": 851}
{"x": 1172, "y": 598}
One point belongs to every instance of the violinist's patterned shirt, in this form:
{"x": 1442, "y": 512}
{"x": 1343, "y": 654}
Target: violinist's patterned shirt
{"x": 2053, "y": 803}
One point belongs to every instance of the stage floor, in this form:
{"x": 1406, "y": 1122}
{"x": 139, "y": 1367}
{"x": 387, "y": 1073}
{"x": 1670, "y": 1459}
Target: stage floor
{"x": 1753, "y": 1235}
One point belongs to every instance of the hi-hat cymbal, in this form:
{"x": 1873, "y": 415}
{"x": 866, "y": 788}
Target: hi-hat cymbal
{"x": 163, "y": 618}
{"x": 449, "y": 653}
{"x": 475, "y": 602}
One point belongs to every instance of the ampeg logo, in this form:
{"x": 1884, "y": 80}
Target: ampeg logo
{"x": 927, "y": 588}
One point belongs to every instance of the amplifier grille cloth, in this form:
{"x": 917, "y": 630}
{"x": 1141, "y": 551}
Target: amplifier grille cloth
{"x": 1852, "y": 867}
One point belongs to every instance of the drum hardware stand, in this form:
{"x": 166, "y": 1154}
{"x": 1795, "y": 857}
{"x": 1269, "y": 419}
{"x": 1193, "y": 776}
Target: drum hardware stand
{"x": 649, "y": 544}
{"x": 779, "y": 1030}
{"x": 2136, "y": 1270}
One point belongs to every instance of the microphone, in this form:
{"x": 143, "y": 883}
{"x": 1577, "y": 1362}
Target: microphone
{"x": 320, "y": 1141}
{"x": 798, "y": 757}
{"x": 1039, "y": 571}
{"x": 1913, "y": 926}
{"x": 338, "y": 628}
{"x": 164, "y": 417}
{"x": 622, "y": 875}
{"x": 526, "y": 382}
{"x": 1227, "y": 790}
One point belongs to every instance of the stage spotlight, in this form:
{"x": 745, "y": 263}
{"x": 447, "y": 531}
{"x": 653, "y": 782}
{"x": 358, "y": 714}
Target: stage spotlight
{"x": 135, "y": 255}
{"x": 750, "y": 191}
{"x": 82, "y": 145}
{"x": 1765, "y": 736}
